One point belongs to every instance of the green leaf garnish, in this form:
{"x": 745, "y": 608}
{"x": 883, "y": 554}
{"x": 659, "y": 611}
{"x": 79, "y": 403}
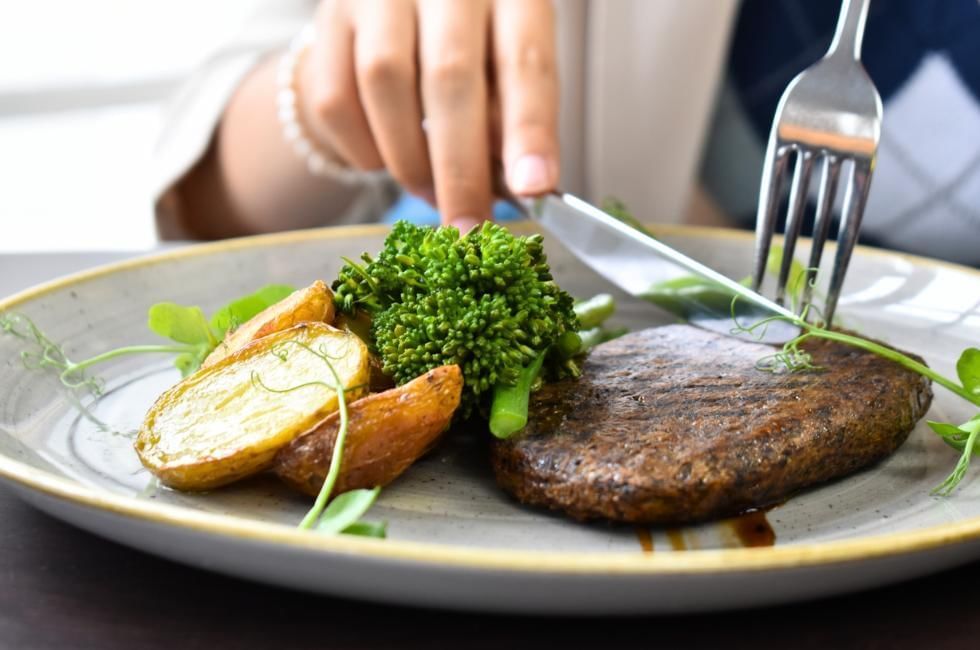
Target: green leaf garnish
{"x": 949, "y": 432}
{"x": 377, "y": 530}
{"x": 346, "y": 509}
{"x": 972, "y": 429}
{"x": 187, "y": 324}
{"x": 189, "y": 362}
{"x": 238, "y": 311}
{"x": 968, "y": 370}
{"x": 955, "y": 436}
{"x": 181, "y": 324}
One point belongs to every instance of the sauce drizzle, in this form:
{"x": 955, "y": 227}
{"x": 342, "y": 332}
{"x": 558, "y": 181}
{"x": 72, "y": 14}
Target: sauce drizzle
{"x": 676, "y": 537}
{"x": 646, "y": 539}
{"x": 753, "y": 529}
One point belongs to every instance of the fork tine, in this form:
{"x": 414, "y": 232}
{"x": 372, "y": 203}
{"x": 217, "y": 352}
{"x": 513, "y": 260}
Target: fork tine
{"x": 855, "y": 198}
{"x": 770, "y": 191}
{"x": 821, "y": 224}
{"x": 794, "y": 218}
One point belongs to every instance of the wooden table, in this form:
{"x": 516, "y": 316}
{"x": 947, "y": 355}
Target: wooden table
{"x": 63, "y": 588}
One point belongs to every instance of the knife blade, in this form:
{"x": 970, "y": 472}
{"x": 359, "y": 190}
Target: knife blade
{"x": 637, "y": 263}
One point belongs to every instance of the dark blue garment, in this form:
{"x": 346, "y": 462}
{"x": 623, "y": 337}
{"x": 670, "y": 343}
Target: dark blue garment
{"x": 776, "y": 39}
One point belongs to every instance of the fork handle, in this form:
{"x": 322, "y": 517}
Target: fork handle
{"x": 850, "y": 30}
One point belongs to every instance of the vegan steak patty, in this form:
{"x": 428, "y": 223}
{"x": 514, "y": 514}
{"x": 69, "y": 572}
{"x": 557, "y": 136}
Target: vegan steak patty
{"x": 676, "y": 424}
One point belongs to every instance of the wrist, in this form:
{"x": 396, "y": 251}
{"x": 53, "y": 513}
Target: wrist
{"x": 306, "y": 112}
{"x": 298, "y": 115}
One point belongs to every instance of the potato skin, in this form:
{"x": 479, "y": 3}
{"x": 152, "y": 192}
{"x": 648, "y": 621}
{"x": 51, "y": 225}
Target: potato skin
{"x": 311, "y": 304}
{"x": 217, "y": 426}
{"x": 386, "y": 433}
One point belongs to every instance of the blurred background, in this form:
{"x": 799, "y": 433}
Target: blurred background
{"x": 83, "y": 87}
{"x": 80, "y": 109}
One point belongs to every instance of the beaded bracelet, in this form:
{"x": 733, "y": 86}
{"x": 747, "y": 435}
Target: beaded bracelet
{"x": 287, "y": 101}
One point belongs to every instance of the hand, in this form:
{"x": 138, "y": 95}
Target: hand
{"x": 481, "y": 73}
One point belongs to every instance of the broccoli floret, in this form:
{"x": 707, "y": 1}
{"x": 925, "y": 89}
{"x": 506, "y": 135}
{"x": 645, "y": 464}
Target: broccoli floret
{"x": 485, "y": 301}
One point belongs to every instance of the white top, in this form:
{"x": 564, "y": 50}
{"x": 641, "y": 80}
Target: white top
{"x": 637, "y": 92}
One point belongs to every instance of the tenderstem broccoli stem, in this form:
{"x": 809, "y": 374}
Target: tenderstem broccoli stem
{"x": 594, "y": 311}
{"x": 568, "y": 345}
{"x": 508, "y": 411}
{"x": 596, "y": 335}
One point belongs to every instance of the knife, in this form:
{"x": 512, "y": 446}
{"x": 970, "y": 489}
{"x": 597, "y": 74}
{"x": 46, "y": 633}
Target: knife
{"x": 637, "y": 262}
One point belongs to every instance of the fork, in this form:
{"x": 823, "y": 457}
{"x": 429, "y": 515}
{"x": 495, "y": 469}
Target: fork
{"x": 830, "y": 111}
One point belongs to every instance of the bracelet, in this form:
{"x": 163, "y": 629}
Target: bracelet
{"x": 287, "y": 102}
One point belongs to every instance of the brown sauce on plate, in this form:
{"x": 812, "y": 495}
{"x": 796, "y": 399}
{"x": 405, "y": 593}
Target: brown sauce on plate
{"x": 753, "y": 529}
{"x": 645, "y": 538}
{"x": 676, "y": 538}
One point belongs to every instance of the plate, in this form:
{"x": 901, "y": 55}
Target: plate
{"x": 455, "y": 540}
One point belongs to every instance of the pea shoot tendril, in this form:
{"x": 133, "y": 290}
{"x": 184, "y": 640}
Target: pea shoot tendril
{"x": 964, "y": 438}
{"x": 342, "y": 514}
{"x": 45, "y": 354}
{"x": 193, "y": 339}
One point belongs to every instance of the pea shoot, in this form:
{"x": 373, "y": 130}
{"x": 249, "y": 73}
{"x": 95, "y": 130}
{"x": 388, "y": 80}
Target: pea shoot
{"x": 342, "y": 514}
{"x": 793, "y": 358}
{"x": 192, "y": 337}
{"x": 689, "y": 295}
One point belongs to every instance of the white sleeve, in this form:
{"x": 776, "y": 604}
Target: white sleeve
{"x": 192, "y": 116}
{"x": 653, "y": 69}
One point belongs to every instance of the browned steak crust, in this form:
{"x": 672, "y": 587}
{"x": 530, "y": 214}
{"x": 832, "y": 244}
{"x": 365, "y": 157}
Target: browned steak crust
{"x": 675, "y": 424}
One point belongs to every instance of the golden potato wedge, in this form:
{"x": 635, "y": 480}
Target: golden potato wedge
{"x": 312, "y": 304}
{"x": 386, "y": 433}
{"x": 220, "y": 425}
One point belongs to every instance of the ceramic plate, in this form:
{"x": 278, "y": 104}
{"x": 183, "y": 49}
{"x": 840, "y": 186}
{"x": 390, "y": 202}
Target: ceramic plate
{"x": 455, "y": 540}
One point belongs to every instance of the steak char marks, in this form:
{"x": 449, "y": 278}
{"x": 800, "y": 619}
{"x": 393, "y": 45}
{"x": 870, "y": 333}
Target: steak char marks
{"x": 675, "y": 424}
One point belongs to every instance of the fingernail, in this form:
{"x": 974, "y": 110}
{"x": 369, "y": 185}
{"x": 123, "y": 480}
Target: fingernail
{"x": 530, "y": 175}
{"x": 465, "y": 224}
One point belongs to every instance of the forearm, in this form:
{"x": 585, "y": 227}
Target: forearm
{"x": 250, "y": 180}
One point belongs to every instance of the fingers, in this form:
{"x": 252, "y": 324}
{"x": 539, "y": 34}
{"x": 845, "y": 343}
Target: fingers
{"x": 452, "y": 50}
{"x": 387, "y": 80}
{"x": 368, "y": 93}
{"x": 527, "y": 83}
{"x": 335, "y": 112}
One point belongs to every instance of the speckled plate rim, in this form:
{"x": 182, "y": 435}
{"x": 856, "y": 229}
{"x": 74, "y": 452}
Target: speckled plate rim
{"x": 604, "y": 563}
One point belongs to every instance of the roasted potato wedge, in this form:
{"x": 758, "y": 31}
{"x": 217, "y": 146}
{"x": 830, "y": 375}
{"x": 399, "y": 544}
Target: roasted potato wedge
{"x": 312, "y": 304}
{"x": 220, "y": 424}
{"x": 386, "y": 433}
